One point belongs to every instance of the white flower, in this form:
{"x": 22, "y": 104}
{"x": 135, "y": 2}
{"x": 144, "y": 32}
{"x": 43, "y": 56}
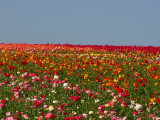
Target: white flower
{"x": 90, "y": 112}
{"x": 148, "y": 109}
{"x": 131, "y": 106}
{"x": 132, "y": 102}
{"x": 137, "y": 106}
{"x": 18, "y": 72}
{"x": 97, "y": 100}
{"x": 105, "y": 112}
{"x": 56, "y": 77}
{"x": 51, "y": 108}
{"x": 55, "y": 101}
{"x": 65, "y": 85}
{"x": 114, "y": 100}
{"x": 100, "y": 116}
{"x": 53, "y": 91}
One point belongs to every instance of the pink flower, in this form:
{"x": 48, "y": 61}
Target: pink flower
{"x": 25, "y": 116}
{"x": 85, "y": 115}
{"x": 101, "y": 107}
{"x": 123, "y": 104}
{"x": 10, "y": 118}
{"x": 151, "y": 115}
{"x": 139, "y": 118}
{"x": 55, "y": 85}
{"x": 97, "y": 93}
{"x": 112, "y": 94}
{"x": 50, "y": 116}
{"x": 1, "y": 84}
{"x": 135, "y": 113}
{"x": 111, "y": 103}
{"x": 21, "y": 83}
{"x": 8, "y": 114}
{"x": 1, "y": 105}
{"x": 40, "y": 118}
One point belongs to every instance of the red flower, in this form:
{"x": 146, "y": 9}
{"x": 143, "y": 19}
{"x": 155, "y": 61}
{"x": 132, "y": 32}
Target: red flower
{"x": 158, "y": 100}
{"x": 56, "y": 72}
{"x": 119, "y": 90}
{"x": 142, "y": 84}
{"x": 76, "y": 98}
{"x": 134, "y": 90}
{"x": 145, "y": 80}
{"x": 5, "y": 82}
{"x": 43, "y": 96}
{"x": 70, "y": 97}
{"x": 11, "y": 67}
{"x": 38, "y": 103}
{"x": 3, "y": 101}
{"x": 1, "y": 63}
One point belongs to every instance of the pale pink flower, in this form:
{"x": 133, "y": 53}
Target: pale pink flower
{"x": 40, "y": 118}
{"x": 85, "y": 115}
{"x": 10, "y": 118}
{"x": 111, "y": 103}
{"x": 25, "y": 116}
{"x": 8, "y": 114}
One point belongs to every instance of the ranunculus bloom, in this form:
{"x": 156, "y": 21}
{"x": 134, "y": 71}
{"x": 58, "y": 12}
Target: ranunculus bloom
{"x": 65, "y": 85}
{"x": 10, "y": 118}
{"x": 1, "y": 105}
{"x": 8, "y": 114}
{"x": 40, "y": 118}
{"x": 25, "y": 116}
{"x": 56, "y": 77}
{"x": 50, "y": 116}
{"x": 123, "y": 104}
{"x": 37, "y": 103}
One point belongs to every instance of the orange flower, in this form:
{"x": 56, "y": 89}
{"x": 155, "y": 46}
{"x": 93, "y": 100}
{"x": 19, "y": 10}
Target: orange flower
{"x": 155, "y": 92}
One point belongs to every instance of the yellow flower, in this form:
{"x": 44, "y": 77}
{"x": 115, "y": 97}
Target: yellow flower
{"x": 115, "y": 80}
{"x": 156, "y": 83}
{"x": 82, "y": 101}
{"x": 85, "y": 76}
{"x": 153, "y": 99}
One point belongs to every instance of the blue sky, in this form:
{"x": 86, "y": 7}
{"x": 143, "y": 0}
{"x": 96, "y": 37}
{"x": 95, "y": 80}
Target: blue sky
{"x": 94, "y": 22}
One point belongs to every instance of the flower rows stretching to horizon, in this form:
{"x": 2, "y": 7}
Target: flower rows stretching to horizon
{"x": 76, "y": 82}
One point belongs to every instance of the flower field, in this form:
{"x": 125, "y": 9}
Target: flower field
{"x": 79, "y": 82}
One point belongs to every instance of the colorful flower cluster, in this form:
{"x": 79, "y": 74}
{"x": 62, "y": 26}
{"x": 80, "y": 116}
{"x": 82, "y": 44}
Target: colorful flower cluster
{"x": 76, "y": 82}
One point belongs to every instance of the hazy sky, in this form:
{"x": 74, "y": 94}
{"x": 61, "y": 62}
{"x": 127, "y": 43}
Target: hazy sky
{"x": 95, "y": 22}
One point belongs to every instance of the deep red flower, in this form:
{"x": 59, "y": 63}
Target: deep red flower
{"x": 158, "y": 100}
{"x": 1, "y": 63}
{"x": 142, "y": 84}
{"x": 38, "y": 103}
{"x": 134, "y": 90}
{"x": 119, "y": 90}
{"x": 43, "y": 96}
